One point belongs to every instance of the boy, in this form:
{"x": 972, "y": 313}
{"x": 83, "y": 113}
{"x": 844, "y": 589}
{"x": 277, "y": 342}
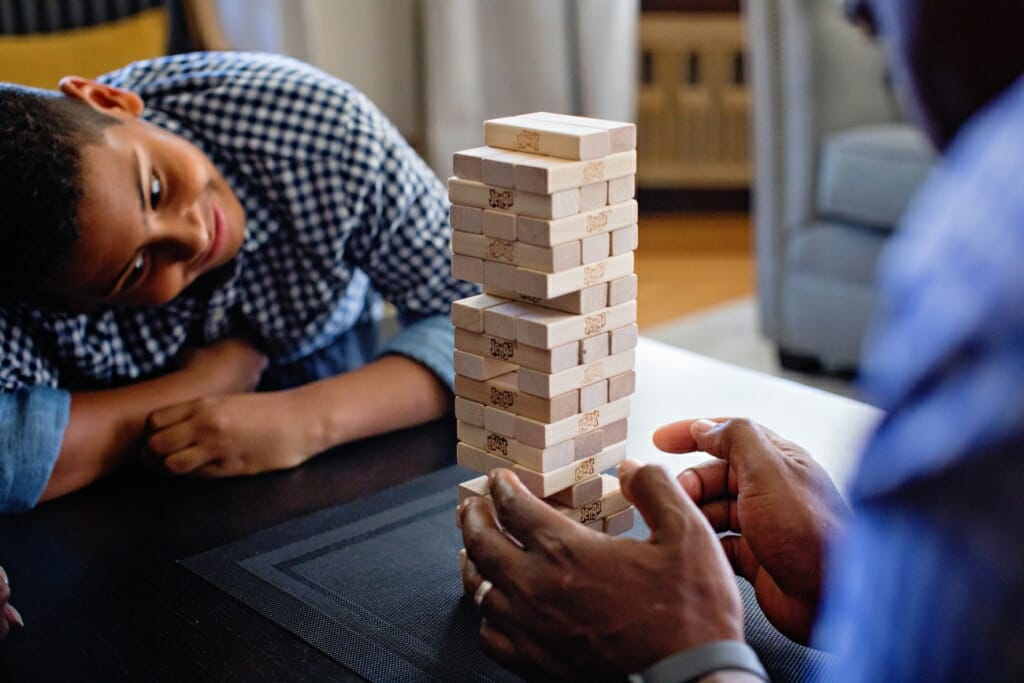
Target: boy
{"x": 177, "y": 225}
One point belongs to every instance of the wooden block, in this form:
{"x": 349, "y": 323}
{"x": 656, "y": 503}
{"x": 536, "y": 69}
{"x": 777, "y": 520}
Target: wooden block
{"x": 547, "y": 329}
{"x": 545, "y": 175}
{"x": 547, "y": 483}
{"x": 593, "y": 395}
{"x": 548, "y": 409}
{"x": 468, "y": 313}
{"x": 548, "y": 259}
{"x": 469, "y": 412}
{"x": 586, "y": 300}
{"x": 625, "y": 239}
{"x": 545, "y": 385}
{"x": 499, "y": 169}
{"x": 616, "y": 432}
{"x": 467, "y": 218}
{"x": 499, "y": 392}
{"x": 594, "y": 348}
{"x": 621, "y": 189}
{"x": 596, "y": 525}
{"x": 535, "y": 459}
{"x": 480, "y": 367}
{"x": 500, "y": 321}
{"x": 467, "y": 163}
{"x": 548, "y": 206}
{"x": 547, "y": 233}
{"x": 621, "y": 134}
{"x": 541, "y": 435}
{"x": 586, "y": 445}
{"x": 595, "y": 248}
{"x": 474, "y": 487}
{"x": 620, "y": 522}
{"x": 593, "y": 196}
{"x": 623, "y": 338}
{"x": 551, "y": 360}
{"x": 467, "y": 268}
{"x": 555, "y": 139}
{"x": 622, "y": 289}
{"x": 468, "y": 244}
{"x": 498, "y": 224}
{"x": 550, "y": 285}
{"x": 483, "y": 344}
{"x": 500, "y": 421}
{"x": 580, "y": 494}
{"x": 621, "y": 385}
{"x": 503, "y": 275}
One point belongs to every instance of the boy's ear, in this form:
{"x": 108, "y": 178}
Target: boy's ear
{"x": 103, "y": 98}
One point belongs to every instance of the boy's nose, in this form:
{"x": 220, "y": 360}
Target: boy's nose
{"x": 188, "y": 232}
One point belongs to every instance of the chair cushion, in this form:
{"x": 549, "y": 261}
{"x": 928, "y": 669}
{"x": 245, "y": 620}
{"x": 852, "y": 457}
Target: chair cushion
{"x": 869, "y": 173}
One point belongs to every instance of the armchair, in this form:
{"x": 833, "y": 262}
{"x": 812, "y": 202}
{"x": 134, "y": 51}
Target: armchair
{"x": 835, "y": 169}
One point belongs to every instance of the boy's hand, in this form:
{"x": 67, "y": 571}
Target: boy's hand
{"x": 780, "y": 501}
{"x": 9, "y": 617}
{"x": 224, "y": 436}
{"x": 228, "y": 366}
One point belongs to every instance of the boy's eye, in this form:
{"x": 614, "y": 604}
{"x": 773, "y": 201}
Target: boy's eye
{"x": 155, "y": 191}
{"x": 135, "y": 272}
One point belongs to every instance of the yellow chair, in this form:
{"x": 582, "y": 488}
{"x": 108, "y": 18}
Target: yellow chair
{"x": 41, "y": 42}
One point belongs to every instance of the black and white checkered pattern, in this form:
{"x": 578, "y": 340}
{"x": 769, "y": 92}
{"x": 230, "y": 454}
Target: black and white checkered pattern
{"x": 336, "y": 203}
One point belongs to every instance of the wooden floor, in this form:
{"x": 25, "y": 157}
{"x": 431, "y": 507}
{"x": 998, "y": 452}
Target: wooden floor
{"x": 689, "y": 262}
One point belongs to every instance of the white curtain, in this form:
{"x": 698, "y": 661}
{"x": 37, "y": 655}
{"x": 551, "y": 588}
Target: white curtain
{"x": 439, "y": 68}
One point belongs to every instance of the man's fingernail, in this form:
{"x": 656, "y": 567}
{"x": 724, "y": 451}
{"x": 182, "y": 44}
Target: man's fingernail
{"x": 701, "y": 426}
{"x": 628, "y": 465}
{"x": 15, "y": 615}
{"x": 462, "y": 559}
{"x": 3, "y": 576}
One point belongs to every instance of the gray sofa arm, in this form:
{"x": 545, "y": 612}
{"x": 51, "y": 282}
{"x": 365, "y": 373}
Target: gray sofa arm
{"x": 813, "y": 72}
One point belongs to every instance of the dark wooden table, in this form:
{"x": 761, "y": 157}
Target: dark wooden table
{"x": 95, "y": 573}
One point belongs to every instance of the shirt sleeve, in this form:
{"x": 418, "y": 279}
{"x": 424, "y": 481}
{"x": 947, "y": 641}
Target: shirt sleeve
{"x": 32, "y": 424}
{"x": 428, "y": 341}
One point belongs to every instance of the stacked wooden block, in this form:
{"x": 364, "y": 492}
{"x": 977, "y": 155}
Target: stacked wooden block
{"x": 544, "y": 217}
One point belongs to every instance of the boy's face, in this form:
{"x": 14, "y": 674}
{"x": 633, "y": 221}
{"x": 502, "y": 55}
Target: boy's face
{"x": 155, "y": 214}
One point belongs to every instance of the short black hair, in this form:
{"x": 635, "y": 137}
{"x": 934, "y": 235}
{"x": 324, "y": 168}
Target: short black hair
{"x": 42, "y": 134}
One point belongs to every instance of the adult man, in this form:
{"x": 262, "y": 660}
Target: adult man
{"x": 925, "y": 580}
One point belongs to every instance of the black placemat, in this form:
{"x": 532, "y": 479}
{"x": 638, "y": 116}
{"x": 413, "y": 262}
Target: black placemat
{"x": 375, "y": 585}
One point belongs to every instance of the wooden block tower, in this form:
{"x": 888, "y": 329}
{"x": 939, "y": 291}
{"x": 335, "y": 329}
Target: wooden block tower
{"x": 543, "y": 216}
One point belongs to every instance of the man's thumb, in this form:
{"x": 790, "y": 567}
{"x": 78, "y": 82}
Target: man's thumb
{"x": 659, "y": 498}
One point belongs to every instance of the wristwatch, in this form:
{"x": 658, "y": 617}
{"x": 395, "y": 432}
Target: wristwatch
{"x": 695, "y": 663}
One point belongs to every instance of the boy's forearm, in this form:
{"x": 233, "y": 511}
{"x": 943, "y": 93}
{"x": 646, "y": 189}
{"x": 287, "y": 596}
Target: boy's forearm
{"x": 105, "y": 428}
{"x": 388, "y": 394}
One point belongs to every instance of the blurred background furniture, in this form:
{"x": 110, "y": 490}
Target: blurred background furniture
{"x": 41, "y": 41}
{"x": 835, "y": 168}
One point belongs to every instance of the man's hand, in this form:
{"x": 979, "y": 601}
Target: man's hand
{"x": 780, "y": 501}
{"x": 573, "y": 603}
{"x": 229, "y": 366}
{"x": 224, "y": 436}
{"x": 9, "y": 617}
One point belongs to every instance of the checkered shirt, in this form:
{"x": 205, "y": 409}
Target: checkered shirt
{"x": 337, "y": 207}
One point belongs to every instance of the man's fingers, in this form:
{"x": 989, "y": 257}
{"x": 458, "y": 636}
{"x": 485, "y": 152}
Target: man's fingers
{"x": 676, "y": 437}
{"x": 707, "y": 481}
{"x": 722, "y": 515}
{"x": 741, "y": 557}
{"x": 493, "y": 553}
{"x": 659, "y": 498}
{"x": 739, "y": 441}
{"x": 523, "y": 514}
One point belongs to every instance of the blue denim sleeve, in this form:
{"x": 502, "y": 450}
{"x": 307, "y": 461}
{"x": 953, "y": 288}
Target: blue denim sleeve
{"x": 429, "y": 341}
{"x": 32, "y": 424}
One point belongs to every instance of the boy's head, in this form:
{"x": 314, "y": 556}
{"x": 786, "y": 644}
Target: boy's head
{"x": 102, "y": 207}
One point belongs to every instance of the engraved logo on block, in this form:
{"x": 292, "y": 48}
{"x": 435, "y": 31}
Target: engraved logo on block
{"x": 500, "y": 250}
{"x": 594, "y": 171}
{"x": 597, "y": 221}
{"x": 588, "y": 513}
{"x": 593, "y": 274}
{"x": 502, "y": 398}
{"x": 593, "y": 372}
{"x": 584, "y": 469}
{"x": 499, "y": 444}
{"x": 593, "y": 324}
{"x": 528, "y": 140}
{"x": 589, "y": 420}
{"x": 531, "y": 299}
{"x": 501, "y": 199}
{"x": 502, "y": 350}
